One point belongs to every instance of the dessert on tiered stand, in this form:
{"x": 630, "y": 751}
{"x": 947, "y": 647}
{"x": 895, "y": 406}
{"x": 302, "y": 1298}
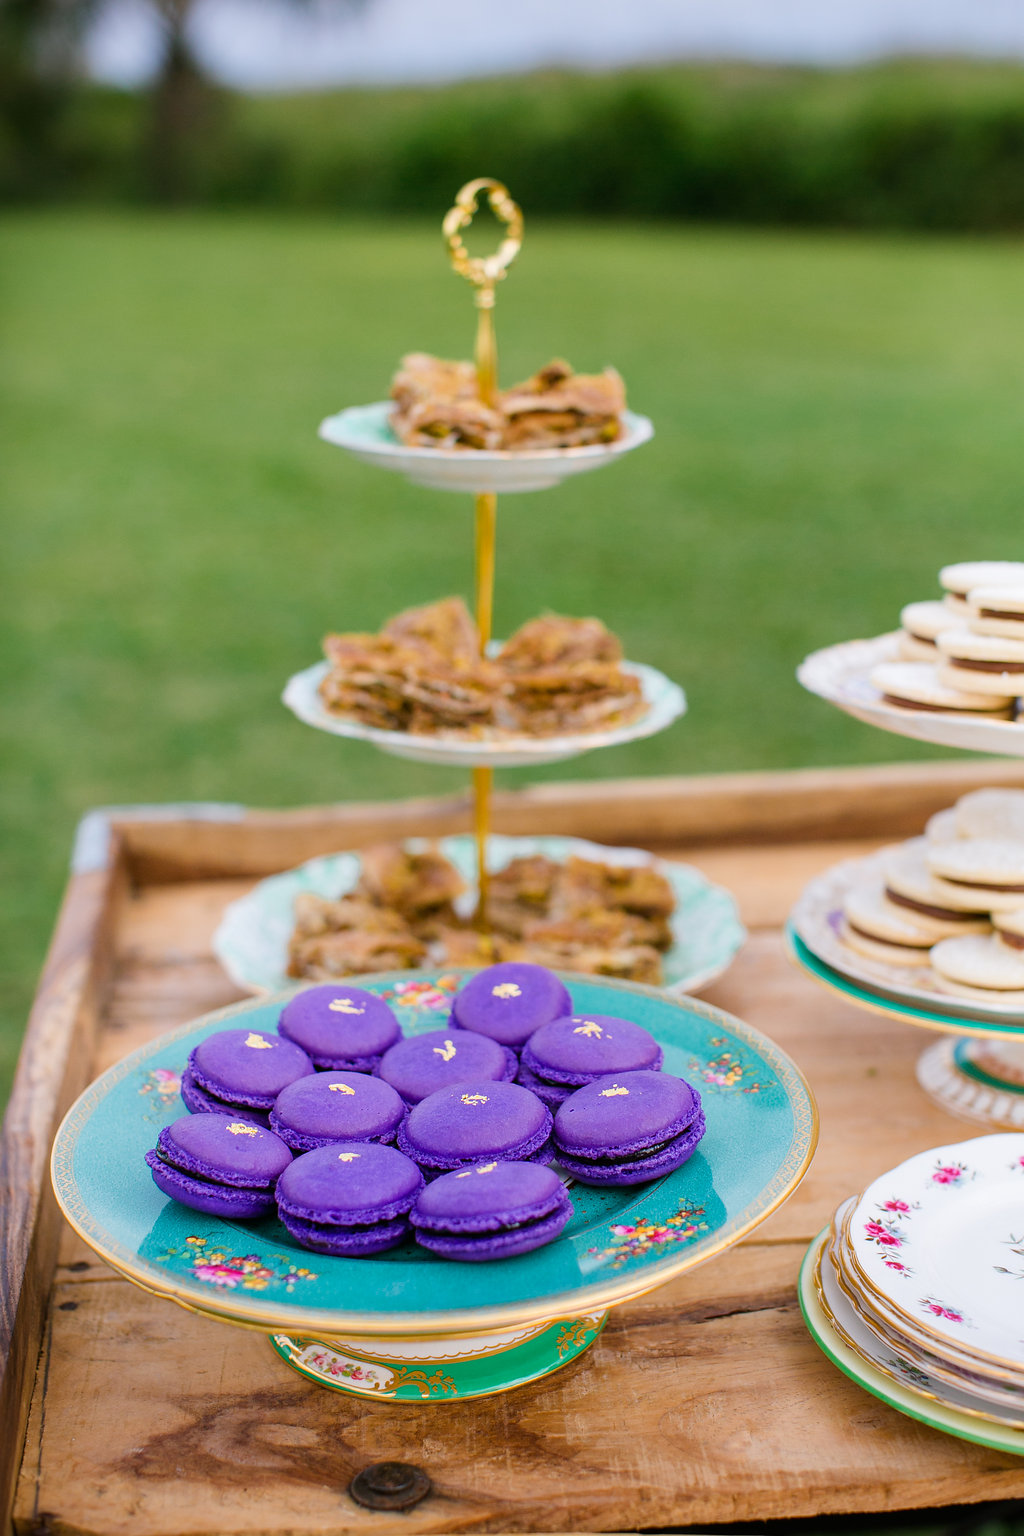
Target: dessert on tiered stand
{"x": 932, "y": 931}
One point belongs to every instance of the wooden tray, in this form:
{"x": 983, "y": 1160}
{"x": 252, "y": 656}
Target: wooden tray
{"x": 705, "y": 1402}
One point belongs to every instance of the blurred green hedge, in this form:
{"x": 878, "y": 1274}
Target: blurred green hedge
{"x": 911, "y": 145}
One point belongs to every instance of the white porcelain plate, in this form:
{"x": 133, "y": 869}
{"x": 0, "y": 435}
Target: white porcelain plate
{"x": 841, "y": 674}
{"x": 817, "y": 918}
{"x": 665, "y": 701}
{"x": 901, "y": 1364}
{"x": 941, "y": 1239}
{"x": 364, "y": 431}
{"x": 251, "y": 942}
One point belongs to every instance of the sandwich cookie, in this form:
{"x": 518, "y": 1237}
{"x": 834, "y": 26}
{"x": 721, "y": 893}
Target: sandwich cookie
{"x": 979, "y": 967}
{"x": 509, "y": 1001}
{"x": 915, "y": 685}
{"x": 420, "y": 1065}
{"x": 336, "y": 1106}
{"x": 980, "y": 873}
{"x": 628, "y": 1128}
{"x": 981, "y": 663}
{"x": 478, "y": 1122}
{"x": 220, "y": 1166}
{"x": 350, "y": 1199}
{"x": 958, "y": 580}
{"x": 913, "y": 890}
{"x": 997, "y": 611}
{"x": 989, "y": 813}
{"x": 491, "y": 1211}
{"x": 882, "y": 932}
{"x": 569, "y": 1053}
{"x": 343, "y": 1029}
{"x": 241, "y": 1069}
{"x": 921, "y": 623}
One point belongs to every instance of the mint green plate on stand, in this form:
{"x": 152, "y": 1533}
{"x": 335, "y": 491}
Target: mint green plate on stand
{"x": 251, "y": 941}
{"x": 407, "y": 1324}
{"x": 978, "y": 1077}
{"x": 927, "y": 1410}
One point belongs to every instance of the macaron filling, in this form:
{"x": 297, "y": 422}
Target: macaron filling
{"x": 198, "y": 1102}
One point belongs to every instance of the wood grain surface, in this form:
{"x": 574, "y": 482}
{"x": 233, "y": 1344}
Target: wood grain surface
{"x": 701, "y": 1403}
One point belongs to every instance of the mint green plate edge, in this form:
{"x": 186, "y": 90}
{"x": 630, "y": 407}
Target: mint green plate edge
{"x": 948, "y": 1420}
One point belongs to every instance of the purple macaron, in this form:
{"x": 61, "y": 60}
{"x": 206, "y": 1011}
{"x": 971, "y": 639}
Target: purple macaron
{"x": 221, "y": 1166}
{"x": 627, "y": 1128}
{"x": 241, "y": 1069}
{"x": 568, "y": 1053}
{"x": 420, "y": 1065}
{"x": 336, "y": 1106}
{"x": 491, "y": 1211}
{"x": 509, "y": 1001}
{"x": 351, "y": 1199}
{"x": 476, "y": 1122}
{"x": 343, "y": 1029}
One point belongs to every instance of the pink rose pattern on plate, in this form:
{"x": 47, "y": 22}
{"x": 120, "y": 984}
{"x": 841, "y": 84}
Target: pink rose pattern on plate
{"x": 888, "y": 1232}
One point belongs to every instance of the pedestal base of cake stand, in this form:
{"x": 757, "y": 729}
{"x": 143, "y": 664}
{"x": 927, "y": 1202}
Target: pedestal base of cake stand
{"x": 981, "y": 1080}
{"x": 439, "y": 1370}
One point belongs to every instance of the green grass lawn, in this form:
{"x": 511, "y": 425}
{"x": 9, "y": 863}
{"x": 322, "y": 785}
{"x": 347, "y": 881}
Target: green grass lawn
{"x": 835, "y": 418}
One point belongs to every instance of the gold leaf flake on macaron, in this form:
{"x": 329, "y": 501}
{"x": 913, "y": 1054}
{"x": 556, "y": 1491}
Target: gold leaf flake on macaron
{"x": 238, "y": 1129}
{"x": 344, "y": 1005}
{"x": 506, "y": 989}
{"x": 348, "y": 1157}
{"x": 446, "y": 1051}
{"x": 257, "y": 1043}
{"x": 484, "y": 1168}
{"x": 591, "y": 1030}
{"x": 614, "y": 1091}
{"x": 475, "y": 1098}
{"x": 340, "y": 1088}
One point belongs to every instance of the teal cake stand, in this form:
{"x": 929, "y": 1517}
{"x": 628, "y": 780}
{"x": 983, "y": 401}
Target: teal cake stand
{"x": 975, "y": 1072}
{"x": 407, "y": 1325}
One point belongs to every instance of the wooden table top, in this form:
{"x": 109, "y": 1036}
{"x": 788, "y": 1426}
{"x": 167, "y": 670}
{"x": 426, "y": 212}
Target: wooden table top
{"x": 704, "y": 1402}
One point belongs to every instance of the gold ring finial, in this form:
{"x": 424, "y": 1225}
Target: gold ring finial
{"x": 483, "y": 271}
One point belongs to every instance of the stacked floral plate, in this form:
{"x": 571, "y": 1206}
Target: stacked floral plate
{"x": 917, "y": 1290}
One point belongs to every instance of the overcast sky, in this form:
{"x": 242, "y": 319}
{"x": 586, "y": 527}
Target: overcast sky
{"x": 269, "y": 45}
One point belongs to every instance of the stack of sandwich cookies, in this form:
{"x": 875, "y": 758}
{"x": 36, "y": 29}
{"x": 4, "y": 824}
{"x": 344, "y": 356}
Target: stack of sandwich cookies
{"x": 569, "y": 1053}
{"x": 351, "y": 1199}
{"x": 980, "y": 967}
{"x": 420, "y": 1065}
{"x": 920, "y": 626}
{"x": 493, "y": 1210}
{"x": 342, "y": 1029}
{"x": 240, "y": 1072}
{"x": 881, "y": 931}
{"x": 476, "y": 1122}
{"x": 628, "y": 1128}
{"x": 330, "y": 1107}
{"x": 219, "y": 1166}
{"x": 508, "y": 1002}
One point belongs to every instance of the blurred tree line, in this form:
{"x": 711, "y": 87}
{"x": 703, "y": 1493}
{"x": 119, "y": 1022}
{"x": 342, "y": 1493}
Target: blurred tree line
{"x": 906, "y": 144}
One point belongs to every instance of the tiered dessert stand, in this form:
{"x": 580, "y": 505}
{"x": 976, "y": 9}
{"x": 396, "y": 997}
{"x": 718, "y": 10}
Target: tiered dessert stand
{"x": 364, "y": 431}
{"x": 977, "y": 1072}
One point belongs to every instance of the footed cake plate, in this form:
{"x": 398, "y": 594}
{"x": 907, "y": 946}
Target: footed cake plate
{"x": 664, "y": 699}
{"x": 364, "y": 431}
{"x": 406, "y": 1324}
{"x": 842, "y": 675}
{"x": 251, "y": 941}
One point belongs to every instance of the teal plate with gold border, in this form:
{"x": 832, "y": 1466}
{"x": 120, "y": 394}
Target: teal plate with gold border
{"x": 761, "y": 1134}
